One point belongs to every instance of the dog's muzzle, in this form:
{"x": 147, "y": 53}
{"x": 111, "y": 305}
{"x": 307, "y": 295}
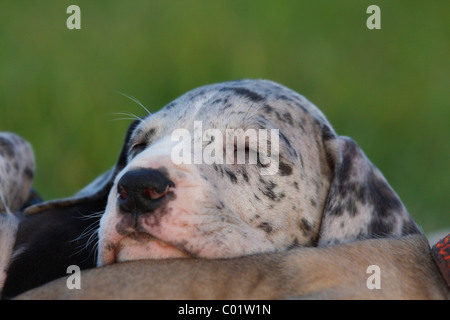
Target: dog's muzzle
{"x": 142, "y": 191}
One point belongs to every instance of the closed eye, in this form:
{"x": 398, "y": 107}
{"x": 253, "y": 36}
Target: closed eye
{"x": 136, "y": 149}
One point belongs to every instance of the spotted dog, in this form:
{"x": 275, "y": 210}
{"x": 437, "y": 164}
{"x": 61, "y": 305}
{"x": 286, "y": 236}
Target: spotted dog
{"x": 325, "y": 191}
{"x": 16, "y": 176}
{"x": 16, "y": 171}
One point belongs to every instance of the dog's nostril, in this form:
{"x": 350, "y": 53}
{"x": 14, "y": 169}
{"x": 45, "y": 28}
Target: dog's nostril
{"x": 153, "y": 194}
{"x": 123, "y": 193}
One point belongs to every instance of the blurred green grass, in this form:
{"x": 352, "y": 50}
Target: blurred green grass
{"x": 388, "y": 88}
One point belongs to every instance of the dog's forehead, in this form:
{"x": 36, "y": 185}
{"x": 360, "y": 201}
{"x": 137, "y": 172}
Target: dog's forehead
{"x": 235, "y": 104}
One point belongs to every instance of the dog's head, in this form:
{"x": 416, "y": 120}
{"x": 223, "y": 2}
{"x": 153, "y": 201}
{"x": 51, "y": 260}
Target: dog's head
{"x": 238, "y": 168}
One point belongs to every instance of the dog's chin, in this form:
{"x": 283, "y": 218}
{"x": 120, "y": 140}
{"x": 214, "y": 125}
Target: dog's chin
{"x": 130, "y": 249}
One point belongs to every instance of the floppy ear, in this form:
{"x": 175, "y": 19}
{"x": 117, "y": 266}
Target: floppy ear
{"x": 97, "y": 189}
{"x": 360, "y": 203}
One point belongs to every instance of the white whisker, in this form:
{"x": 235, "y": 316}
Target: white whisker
{"x": 89, "y": 229}
{"x": 92, "y": 215}
{"x": 130, "y": 116}
{"x": 133, "y": 99}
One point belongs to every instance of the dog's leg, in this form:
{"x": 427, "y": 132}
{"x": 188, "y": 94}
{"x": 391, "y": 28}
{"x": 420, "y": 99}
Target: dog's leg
{"x": 406, "y": 270}
{"x": 16, "y": 176}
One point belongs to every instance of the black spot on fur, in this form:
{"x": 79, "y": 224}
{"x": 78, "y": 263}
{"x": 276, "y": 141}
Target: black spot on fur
{"x": 337, "y": 211}
{"x": 267, "y": 227}
{"x": 382, "y": 196}
{"x": 7, "y": 147}
{"x": 285, "y": 141}
{"x": 269, "y": 193}
{"x": 218, "y": 169}
{"x": 29, "y": 173}
{"x": 279, "y": 116}
{"x": 149, "y": 135}
{"x": 220, "y": 205}
{"x": 380, "y": 227}
{"x": 346, "y": 165}
{"x": 267, "y": 109}
{"x": 170, "y": 106}
{"x": 231, "y": 175}
{"x": 327, "y": 134}
{"x": 286, "y": 98}
{"x": 267, "y": 189}
{"x": 243, "y": 92}
{"x": 245, "y": 175}
{"x": 301, "y": 106}
{"x": 288, "y": 117}
{"x": 306, "y": 227}
{"x": 284, "y": 169}
{"x": 386, "y": 206}
{"x": 302, "y": 127}
{"x": 330, "y": 160}
{"x": 198, "y": 94}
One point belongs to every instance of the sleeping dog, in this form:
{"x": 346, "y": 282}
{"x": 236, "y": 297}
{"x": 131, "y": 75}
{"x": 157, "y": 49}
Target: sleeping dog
{"x": 197, "y": 194}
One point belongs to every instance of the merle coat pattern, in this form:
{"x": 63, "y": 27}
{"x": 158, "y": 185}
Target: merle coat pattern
{"x": 326, "y": 191}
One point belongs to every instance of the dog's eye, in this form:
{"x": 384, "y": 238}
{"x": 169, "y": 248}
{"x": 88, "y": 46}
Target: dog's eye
{"x": 137, "y": 148}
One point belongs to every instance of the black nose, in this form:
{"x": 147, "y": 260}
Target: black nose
{"x": 143, "y": 190}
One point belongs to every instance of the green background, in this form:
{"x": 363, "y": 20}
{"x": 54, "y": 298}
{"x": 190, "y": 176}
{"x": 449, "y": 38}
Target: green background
{"x": 388, "y": 89}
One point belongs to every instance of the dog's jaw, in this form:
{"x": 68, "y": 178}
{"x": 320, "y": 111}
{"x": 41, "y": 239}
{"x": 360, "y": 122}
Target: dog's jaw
{"x": 117, "y": 247}
{"x": 128, "y": 249}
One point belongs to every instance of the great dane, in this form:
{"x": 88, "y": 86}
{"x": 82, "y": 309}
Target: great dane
{"x": 236, "y": 171}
